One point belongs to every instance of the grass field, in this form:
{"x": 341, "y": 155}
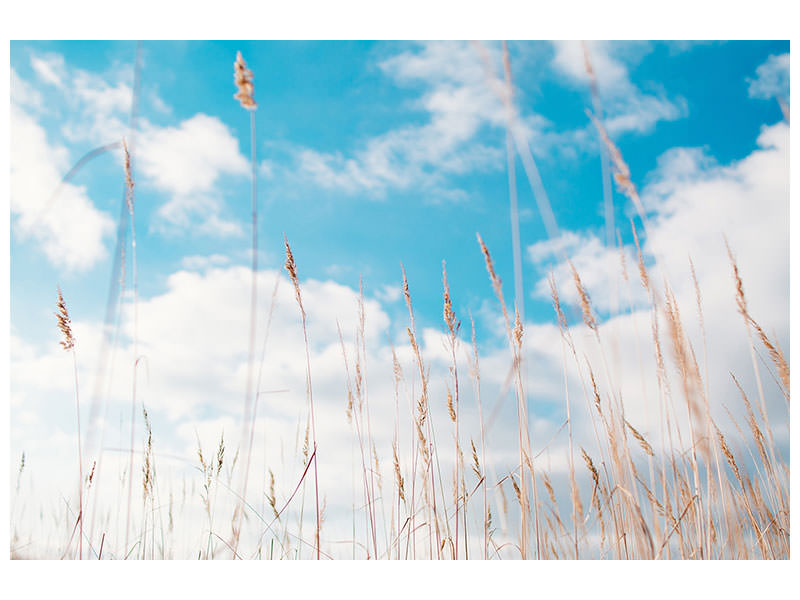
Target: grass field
{"x": 440, "y": 452}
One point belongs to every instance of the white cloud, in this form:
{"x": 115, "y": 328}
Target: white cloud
{"x": 201, "y": 262}
{"x": 98, "y": 104}
{"x": 693, "y": 202}
{"x": 458, "y": 101}
{"x": 24, "y": 94}
{"x": 50, "y": 69}
{"x": 69, "y": 228}
{"x": 186, "y": 162}
{"x": 193, "y": 338}
{"x": 772, "y": 79}
{"x": 600, "y": 269}
{"x": 627, "y": 108}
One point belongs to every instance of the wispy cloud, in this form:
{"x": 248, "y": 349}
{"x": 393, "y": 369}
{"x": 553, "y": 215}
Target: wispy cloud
{"x": 458, "y": 104}
{"x": 627, "y": 108}
{"x": 772, "y": 79}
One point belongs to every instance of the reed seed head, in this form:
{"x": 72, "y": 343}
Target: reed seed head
{"x": 64, "y": 323}
{"x": 243, "y": 78}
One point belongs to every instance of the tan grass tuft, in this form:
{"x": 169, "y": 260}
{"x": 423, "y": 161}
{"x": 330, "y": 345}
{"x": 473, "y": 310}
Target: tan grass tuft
{"x": 243, "y": 78}
{"x": 128, "y": 178}
{"x": 648, "y": 449}
{"x": 64, "y": 323}
{"x": 397, "y": 474}
{"x": 586, "y": 306}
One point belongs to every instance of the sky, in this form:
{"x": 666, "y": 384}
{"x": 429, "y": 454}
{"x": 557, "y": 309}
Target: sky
{"x": 372, "y": 157}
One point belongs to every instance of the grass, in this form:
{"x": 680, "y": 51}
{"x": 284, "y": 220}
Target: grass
{"x": 686, "y": 491}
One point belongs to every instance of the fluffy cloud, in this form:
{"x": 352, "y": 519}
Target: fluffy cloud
{"x": 192, "y": 376}
{"x": 772, "y": 79}
{"x": 694, "y": 204}
{"x": 458, "y": 100}
{"x": 186, "y": 163}
{"x": 69, "y": 228}
{"x": 626, "y": 107}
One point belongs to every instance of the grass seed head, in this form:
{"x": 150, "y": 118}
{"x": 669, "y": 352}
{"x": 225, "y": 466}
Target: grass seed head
{"x": 64, "y": 323}
{"x": 243, "y": 78}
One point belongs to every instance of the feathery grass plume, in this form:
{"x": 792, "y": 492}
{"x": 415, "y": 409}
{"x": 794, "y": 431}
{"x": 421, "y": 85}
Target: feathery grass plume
{"x": 147, "y": 467}
{"x": 562, "y": 320}
{"x": 518, "y": 329}
{"x": 273, "y": 503}
{"x": 586, "y": 306}
{"x": 642, "y": 270}
{"x": 775, "y": 354}
{"x": 453, "y": 324}
{"x": 648, "y": 449}
{"x": 220, "y": 453}
{"x": 476, "y": 464}
{"x": 496, "y": 282}
{"x": 128, "y": 177}
{"x": 305, "y": 445}
{"x": 758, "y": 436}
{"x": 398, "y": 475}
{"x": 622, "y": 173}
{"x": 549, "y": 487}
{"x": 516, "y": 490}
{"x": 90, "y": 478}
{"x": 64, "y": 323}
{"x": 450, "y": 409}
{"x": 243, "y": 78}
{"x": 291, "y": 268}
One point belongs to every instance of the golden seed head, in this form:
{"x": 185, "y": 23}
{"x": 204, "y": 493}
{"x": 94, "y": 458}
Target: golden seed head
{"x": 64, "y": 323}
{"x": 128, "y": 178}
{"x": 243, "y": 78}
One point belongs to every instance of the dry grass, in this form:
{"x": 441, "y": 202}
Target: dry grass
{"x": 657, "y": 494}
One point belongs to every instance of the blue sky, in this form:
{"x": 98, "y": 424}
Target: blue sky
{"x": 322, "y": 104}
{"x": 371, "y": 154}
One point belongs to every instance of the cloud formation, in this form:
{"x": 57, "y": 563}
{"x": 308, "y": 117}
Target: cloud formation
{"x": 68, "y": 226}
{"x": 186, "y": 163}
{"x": 627, "y": 108}
{"x": 772, "y": 79}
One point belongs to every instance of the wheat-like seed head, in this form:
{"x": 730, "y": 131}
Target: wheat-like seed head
{"x": 220, "y": 453}
{"x": 128, "y": 178}
{"x": 453, "y": 324}
{"x": 586, "y": 306}
{"x": 398, "y": 475}
{"x": 517, "y": 329}
{"x": 549, "y": 487}
{"x": 496, "y": 282}
{"x": 291, "y": 268}
{"x": 243, "y": 78}
{"x": 562, "y": 320}
{"x": 640, "y": 438}
{"x": 642, "y": 270}
{"x": 476, "y": 465}
{"x": 271, "y": 497}
{"x": 450, "y": 408}
{"x": 64, "y": 323}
